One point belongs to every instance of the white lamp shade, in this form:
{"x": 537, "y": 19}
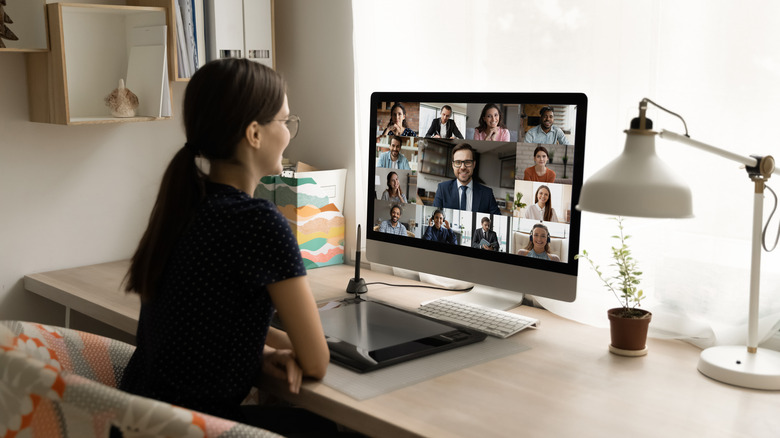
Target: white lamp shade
{"x": 637, "y": 183}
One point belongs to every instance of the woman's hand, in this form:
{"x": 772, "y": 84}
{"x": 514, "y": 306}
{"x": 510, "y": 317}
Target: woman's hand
{"x": 395, "y": 128}
{"x": 281, "y": 365}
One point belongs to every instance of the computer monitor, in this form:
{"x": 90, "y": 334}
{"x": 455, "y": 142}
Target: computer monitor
{"x": 489, "y": 239}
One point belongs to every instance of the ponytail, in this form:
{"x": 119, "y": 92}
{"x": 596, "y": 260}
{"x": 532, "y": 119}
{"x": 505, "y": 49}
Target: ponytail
{"x": 181, "y": 191}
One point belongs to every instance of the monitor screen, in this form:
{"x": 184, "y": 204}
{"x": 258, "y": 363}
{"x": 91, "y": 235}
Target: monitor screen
{"x": 520, "y": 158}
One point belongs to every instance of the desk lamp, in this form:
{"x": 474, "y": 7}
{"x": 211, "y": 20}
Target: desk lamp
{"x": 638, "y": 183}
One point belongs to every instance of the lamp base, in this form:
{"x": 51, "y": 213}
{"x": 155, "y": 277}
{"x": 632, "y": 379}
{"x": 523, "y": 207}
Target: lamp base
{"x": 735, "y": 366}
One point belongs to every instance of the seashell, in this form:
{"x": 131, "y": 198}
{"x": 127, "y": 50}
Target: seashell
{"x": 122, "y": 102}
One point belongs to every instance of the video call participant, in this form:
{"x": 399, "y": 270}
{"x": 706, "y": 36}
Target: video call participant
{"x": 439, "y": 229}
{"x": 539, "y": 171}
{"x": 393, "y": 226}
{"x": 393, "y": 192}
{"x": 394, "y": 159}
{"x": 464, "y": 193}
{"x": 539, "y": 245}
{"x": 542, "y": 210}
{"x": 444, "y": 127}
{"x": 545, "y": 132}
{"x": 484, "y": 237}
{"x": 397, "y": 123}
{"x": 491, "y": 127}
{"x": 196, "y": 308}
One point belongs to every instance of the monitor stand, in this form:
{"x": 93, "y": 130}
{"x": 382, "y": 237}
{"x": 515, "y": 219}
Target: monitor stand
{"x": 487, "y": 296}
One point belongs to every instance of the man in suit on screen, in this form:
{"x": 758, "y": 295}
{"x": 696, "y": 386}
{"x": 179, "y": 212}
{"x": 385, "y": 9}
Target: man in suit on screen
{"x": 463, "y": 193}
{"x": 444, "y": 126}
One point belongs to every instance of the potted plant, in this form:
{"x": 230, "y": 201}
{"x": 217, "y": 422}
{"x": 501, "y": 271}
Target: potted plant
{"x": 551, "y": 154}
{"x": 628, "y": 323}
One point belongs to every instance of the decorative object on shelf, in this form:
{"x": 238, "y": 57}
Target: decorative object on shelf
{"x": 638, "y": 183}
{"x": 550, "y": 153}
{"x": 5, "y": 32}
{"x": 628, "y": 323}
{"x": 122, "y": 101}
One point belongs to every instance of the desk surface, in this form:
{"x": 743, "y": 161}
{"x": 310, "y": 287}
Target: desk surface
{"x": 567, "y": 384}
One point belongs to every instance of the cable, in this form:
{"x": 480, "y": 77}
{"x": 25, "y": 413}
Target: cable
{"x": 763, "y": 235}
{"x": 672, "y": 113}
{"x": 420, "y": 286}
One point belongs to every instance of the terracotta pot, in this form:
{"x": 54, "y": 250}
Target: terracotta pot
{"x": 629, "y": 335}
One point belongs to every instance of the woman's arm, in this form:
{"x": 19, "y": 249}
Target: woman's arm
{"x": 278, "y": 339}
{"x": 296, "y": 307}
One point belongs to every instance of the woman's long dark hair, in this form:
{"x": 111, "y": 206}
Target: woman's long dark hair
{"x": 482, "y": 127}
{"x": 222, "y": 98}
{"x": 547, "y": 205}
{"x": 392, "y": 112}
{"x": 389, "y": 192}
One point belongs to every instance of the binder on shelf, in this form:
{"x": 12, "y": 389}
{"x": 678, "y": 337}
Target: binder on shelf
{"x": 258, "y": 31}
{"x": 147, "y": 70}
{"x": 200, "y": 32}
{"x": 189, "y": 34}
{"x": 181, "y": 44}
{"x": 225, "y": 29}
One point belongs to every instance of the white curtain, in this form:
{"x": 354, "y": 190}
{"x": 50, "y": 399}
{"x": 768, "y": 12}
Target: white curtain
{"x": 716, "y": 62}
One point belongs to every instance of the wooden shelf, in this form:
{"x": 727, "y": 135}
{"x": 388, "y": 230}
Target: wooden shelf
{"x": 89, "y": 54}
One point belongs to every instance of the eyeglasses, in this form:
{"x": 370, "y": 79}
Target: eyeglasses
{"x": 459, "y": 163}
{"x": 292, "y": 122}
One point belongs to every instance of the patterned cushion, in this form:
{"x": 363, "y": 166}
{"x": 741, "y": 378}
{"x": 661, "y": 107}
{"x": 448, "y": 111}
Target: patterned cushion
{"x": 57, "y": 382}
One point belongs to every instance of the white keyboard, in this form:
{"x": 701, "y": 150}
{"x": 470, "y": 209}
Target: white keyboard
{"x": 493, "y": 322}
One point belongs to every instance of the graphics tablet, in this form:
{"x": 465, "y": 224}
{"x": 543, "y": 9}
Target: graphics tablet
{"x": 366, "y": 335}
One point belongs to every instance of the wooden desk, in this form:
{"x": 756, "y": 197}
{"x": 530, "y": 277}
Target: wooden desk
{"x": 567, "y": 384}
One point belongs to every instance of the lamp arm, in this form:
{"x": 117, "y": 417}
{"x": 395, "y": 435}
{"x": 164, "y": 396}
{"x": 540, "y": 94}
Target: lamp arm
{"x": 747, "y": 161}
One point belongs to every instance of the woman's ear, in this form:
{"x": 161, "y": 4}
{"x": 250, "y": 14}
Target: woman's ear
{"x": 253, "y": 134}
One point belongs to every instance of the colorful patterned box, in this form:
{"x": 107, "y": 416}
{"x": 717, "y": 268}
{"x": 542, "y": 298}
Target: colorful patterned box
{"x": 313, "y": 205}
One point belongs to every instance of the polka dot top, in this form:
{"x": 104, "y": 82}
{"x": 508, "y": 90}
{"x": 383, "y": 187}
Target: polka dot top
{"x": 200, "y": 340}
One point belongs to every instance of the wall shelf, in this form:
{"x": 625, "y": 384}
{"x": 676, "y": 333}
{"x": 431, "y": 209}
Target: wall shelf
{"x": 90, "y": 48}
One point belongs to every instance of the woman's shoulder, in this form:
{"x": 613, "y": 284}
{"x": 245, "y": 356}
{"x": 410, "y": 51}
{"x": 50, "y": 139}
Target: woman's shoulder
{"x": 229, "y": 200}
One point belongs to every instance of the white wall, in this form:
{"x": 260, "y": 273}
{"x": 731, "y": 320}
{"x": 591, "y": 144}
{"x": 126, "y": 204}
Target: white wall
{"x": 78, "y": 195}
{"x": 70, "y": 195}
{"x": 314, "y": 54}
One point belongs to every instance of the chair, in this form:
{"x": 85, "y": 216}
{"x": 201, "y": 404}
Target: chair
{"x": 58, "y": 382}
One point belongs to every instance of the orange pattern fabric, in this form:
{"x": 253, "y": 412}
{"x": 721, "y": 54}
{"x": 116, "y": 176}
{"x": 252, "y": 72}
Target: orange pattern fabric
{"x": 58, "y": 383}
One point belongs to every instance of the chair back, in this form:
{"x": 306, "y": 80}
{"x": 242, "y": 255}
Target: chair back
{"x": 58, "y": 382}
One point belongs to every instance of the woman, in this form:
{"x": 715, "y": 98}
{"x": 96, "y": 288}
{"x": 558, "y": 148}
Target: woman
{"x": 539, "y": 245}
{"x": 397, "y": 123}
{"x": 542, "y": 210}
{"x": 393, "y": 192}
{"x": 214, "y": 263}
{"x": 539, "y": 171}
{"x": 491, "y": 127}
